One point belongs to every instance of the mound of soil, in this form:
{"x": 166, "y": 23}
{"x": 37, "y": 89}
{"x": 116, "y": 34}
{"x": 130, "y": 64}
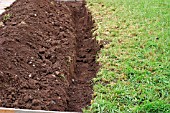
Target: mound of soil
{"x": 47, "y": 56}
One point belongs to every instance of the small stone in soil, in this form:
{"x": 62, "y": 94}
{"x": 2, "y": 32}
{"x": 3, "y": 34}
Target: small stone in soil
{"x": 57, "y": 72}
{"x": 1, "y": 24}
{"x": 30, "y": 75}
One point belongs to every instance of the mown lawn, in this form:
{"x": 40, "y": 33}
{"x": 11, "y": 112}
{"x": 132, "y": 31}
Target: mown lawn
{"x": 135, "y": 72}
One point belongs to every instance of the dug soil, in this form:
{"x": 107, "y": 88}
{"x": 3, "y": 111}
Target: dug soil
{"x": 47, "y": 56}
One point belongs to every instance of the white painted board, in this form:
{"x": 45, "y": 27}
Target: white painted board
{"x": 4, "y": 4}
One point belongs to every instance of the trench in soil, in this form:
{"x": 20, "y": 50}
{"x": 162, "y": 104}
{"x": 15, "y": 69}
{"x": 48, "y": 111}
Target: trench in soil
{"x": 47, "y": 56}
{"x": 86, "y": 66}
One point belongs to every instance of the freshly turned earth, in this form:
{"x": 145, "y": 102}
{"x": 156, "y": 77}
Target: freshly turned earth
{"x": 47, "y": 56}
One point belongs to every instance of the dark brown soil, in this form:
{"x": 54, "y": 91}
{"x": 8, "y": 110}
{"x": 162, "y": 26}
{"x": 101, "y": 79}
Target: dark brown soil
{"x": 47, "y": 56}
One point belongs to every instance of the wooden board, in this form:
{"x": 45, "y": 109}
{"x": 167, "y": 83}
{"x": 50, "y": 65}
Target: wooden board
{"x": 12, "y": 110}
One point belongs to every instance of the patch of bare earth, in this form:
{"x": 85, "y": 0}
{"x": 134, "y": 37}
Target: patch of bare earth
{"x": 47, "y": 56}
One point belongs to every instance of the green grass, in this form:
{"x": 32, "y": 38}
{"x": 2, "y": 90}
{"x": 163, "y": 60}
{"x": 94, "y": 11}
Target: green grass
{"x": 135, "y": 72}
{"x": 6, "y": 17}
